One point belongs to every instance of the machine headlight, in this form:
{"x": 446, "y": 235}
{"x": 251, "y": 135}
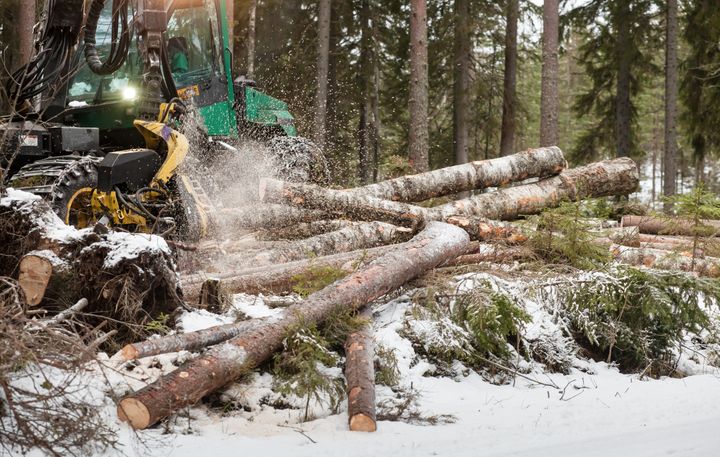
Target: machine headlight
{"x": 129, "y": 93}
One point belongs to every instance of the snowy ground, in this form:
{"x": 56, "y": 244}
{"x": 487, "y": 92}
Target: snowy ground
{"x": 594, "y": 411}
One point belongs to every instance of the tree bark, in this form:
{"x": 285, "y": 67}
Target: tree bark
{"x": 601, "y": 179}
{"x": 674, "y": 226}
{"x": 365, "y": 76}
{"x": 671, "y": 96}
{"x": 663, "y": 260}
{"x": 25, "y": 24}
{"x": 323, "y": 59}
{"x": 614, "y": 177}
{"x": 282, "y": 278}
{"x": 623, "y": 106}
{"x": 484, "y": 230}
{"x": 507, "y": 136}
{"x": 418, "y": 130}
{"x": 361, "y": 236}
{"x": 533, "y": 163}
{"x": 360, "y": 376}
{"x": 461, "y": 80}
{"x": 550, "y": 97}
{"x": 252, "y": 16}
{"x": 226, "y": 362}
{"x": 306, "y": 230}
{"x": 267, "y": 217}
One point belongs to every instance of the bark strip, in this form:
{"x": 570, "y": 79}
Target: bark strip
{"x": 226, "y": 362}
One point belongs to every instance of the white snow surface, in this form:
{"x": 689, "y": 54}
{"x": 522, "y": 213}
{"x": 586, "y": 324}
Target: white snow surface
{"x": 594, "y": 411}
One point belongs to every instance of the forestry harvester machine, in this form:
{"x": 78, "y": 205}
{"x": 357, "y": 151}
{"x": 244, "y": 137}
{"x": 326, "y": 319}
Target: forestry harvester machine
{"x": 98, "y": 112}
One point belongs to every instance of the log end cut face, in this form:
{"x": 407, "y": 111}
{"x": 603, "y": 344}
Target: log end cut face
{"x": 362, "y": 423}
{"x": 135, "y": 413}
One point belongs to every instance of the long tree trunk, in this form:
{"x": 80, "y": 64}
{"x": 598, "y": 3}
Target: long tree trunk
{"x": 461, "y": 84}
{"x": 664, "y": 260}
{"x": 25, "y": 24}
{"x": 323, "y": 58}
{"x": 550, "y": 97}
{"x": 623, "y": 104}
{"x": 365, "y": 76}
{"x": 267, "y": 217}
{"x": 360, "y": 376}
{"x": 507, "y": 135}
{"x": 252, "y": 20}
{"x": 225, "y": 363}
{"x": 533, "y": 163}
{"x": 613, "y": 177}
{"x": 418, "y": 129}
{"x": 671, "y": 95}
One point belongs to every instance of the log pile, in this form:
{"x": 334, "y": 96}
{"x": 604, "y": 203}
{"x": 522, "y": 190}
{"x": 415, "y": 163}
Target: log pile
{"x": 375, "y": 238}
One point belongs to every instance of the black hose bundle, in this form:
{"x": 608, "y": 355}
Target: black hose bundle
{"x": 59, "y": 37}
{"x": 120, "y": 39}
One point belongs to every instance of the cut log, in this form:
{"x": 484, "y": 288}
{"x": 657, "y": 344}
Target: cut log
{"x": 491, "y": 253}
{"x": 485, "y": 230}
{"x": 305, "y": 230}
{"x": 360, "y": 376}
{"x": 601, "y": 179}
{"x": 675, "y": 226}
{"x": 190, "y": 341}
{"x": 612, "y": 177}
{"x": 226, "y": 362}
{"x": 36, "y": 269}
{"x": 663, "y": 260}
{"x": 360, "y": 236}
{"x": 533, "y": 163}
{"x": 267, "y": 217}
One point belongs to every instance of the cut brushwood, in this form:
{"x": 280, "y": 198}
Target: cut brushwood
{"x": 533, "y": 163}
{"x": 226, "y": 362}
{"x": 360, "y": 376}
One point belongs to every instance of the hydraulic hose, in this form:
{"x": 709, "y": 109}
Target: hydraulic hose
{"x": 120, "y": 37}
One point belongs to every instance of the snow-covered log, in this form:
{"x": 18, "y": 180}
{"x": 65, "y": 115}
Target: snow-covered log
{"x": 360, "y": 376}
{"x": 533, "y": 163}
{"x": 226, "y": 362}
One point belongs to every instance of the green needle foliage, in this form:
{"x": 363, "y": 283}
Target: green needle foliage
{"x": 635, "y": 317}
{"x": 301, "y": 368}
{"x": 563, "y": 236}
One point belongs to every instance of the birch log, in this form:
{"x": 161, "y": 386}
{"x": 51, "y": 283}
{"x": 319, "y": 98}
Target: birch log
{"x": 353, "y": 238}
{"x": 612, "y": 177}
{"x": 676, "y": 226}
{"x": 533, "y": 163}
{"x": 226, "y": 362}
{"x": 360, "y": 376}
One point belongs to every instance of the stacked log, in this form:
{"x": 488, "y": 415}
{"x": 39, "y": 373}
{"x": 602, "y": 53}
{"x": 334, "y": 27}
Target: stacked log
{"x": 224, "y": 363}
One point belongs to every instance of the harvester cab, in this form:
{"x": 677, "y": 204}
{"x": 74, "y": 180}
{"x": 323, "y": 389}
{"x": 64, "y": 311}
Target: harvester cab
{"x": 98, "y": 115}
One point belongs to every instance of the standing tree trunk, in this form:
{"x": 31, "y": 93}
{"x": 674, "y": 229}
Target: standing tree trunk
{"x": 25, "y": 24}
{"x": 323, "y": 59}
{"x": 461, "y": 86}
{"x": 419, "y": 133}
{"x": 507, "y": 138}
{"x": 365, "y": 76}
{"x": 623, "y": 106}
{"x": 550, "y": 98}
{"x": 671, "y": 95}
{"x": 252, "y": 12}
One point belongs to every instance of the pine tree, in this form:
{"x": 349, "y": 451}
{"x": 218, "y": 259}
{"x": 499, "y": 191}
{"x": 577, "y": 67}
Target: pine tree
{"x": 550, "y": 98}
{"x": 418, "y": 103}
{"x": 619, "y": 37}
{"x": 461, "y": 77}
{"x": 671, "y": 96}
{"x": 323, "y": 61}
{"x": 507, "y": 138}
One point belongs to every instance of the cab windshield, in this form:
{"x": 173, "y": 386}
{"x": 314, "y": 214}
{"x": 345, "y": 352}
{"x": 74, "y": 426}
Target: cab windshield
{"x": 193, "y": 48}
